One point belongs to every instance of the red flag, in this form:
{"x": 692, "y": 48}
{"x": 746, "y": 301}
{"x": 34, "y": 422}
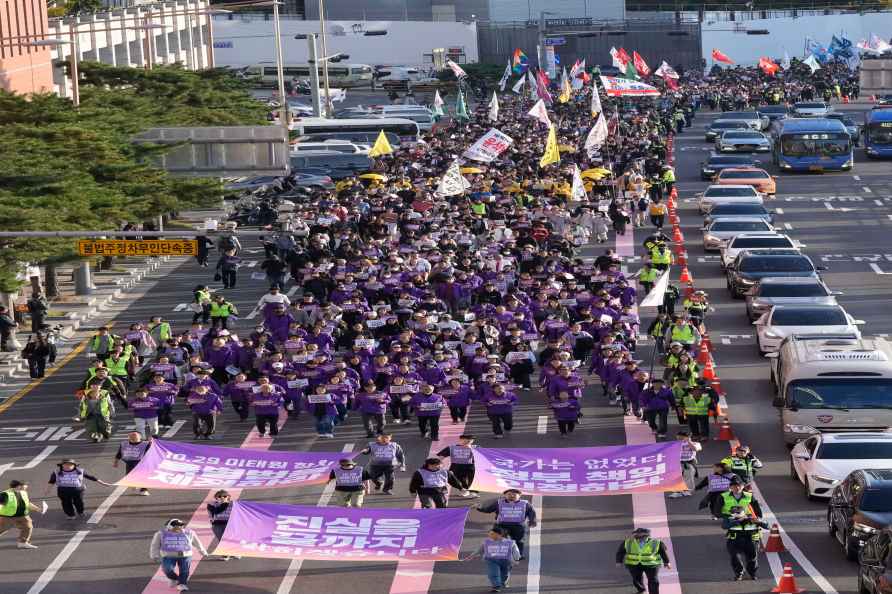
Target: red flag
{"x": 640, "y": 65}
{"x": 720, "y": 57}
{"x": 671, "y": 82}
{"x": 623, "y": 56}
{"x": 767, "y": 66}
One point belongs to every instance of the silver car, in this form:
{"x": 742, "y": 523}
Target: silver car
{"x": 781, "y": 290}
{"x": 742, "y": 141}
{"x": 811, "y": 109}
{"x": 721, "y": 229}
{"x": 753, "y": 119}
{"x": 727, "y": 194}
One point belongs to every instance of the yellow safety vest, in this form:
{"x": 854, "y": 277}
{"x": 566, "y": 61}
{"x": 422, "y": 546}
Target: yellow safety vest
{"x": 647, "y": 554}
{"x": 648, "y": 276}
{"x": 694, "y": 407}
{"x": 118, "y": 367}
{"x": 658, "y": 257}
{"x": 220, "y": 310}
{"x": 203, "y": 296}
{"x": 728, "y": 501}
{"x": 478, "y": 208}
{"x": 683, "y": 335}
{"x": 103, "y": 405}
{"x": 11, "y": 504}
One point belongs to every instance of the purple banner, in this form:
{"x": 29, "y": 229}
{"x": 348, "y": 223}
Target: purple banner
{"x": 176, "y": 465}
{"x": 613, "y": 470}
{"x": 278, "y": 531}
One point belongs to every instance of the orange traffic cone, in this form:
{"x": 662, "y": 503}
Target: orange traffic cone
{"x": 683, "y": 258}
{"x": 703, "y": 355}
{"x": 677, "y": 237}
{"x": 787, "y": 583}
{"x": 873, "y": 98}
{"x": 708, "y": 369}
{"x": 716, "y": 385}
{"x": 725, "y": 433}
{"x": 685, "y": 276}
{"x": 679, "y": 249}
{"x": 775, "y": 544}
{"x": 674, "y": 192}
{"x": 705, "y": 340}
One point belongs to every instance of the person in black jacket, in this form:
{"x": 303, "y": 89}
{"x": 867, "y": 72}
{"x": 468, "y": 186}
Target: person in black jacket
{"x": 7, "y": 327}
{"x": 36, "y": 352}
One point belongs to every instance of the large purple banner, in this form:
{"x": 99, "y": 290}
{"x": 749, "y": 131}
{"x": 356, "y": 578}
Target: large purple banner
{"x": 176, "y": 465}
{"x": 613, "y": 470}
{"x": 278, "y": 531}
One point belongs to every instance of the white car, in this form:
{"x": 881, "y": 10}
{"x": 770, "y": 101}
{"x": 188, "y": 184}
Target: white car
{"x": 811, "y": 109}
{"x": 755, "y": 241}
{"x": 823, "y": 460}
{"x": 722, "y": 229}
{"x": 728, "y": 194}
{"x": 785, "y": 320}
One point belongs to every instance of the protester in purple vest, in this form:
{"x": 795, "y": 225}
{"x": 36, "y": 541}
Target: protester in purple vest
{"x": 427, "y": 406}
{"x": 372, "y": 405}
{"x": 69, "y": 482}
{"x": 267, "y": 400}
{"x": 131, "y": 452}
{"x": 173, "y": 546}
{"x": 458, "y": 397}
{"x": 205, "y": 405}
{"x": 166, "y": 394}
{"x": 567, "y": 411}
{"x": 238, "y": 390}
{"x": 145, "y": 412}
{"x": 219, "y": 511}
{"x": 656, "y": 400}
{"x": 500, "y": 409}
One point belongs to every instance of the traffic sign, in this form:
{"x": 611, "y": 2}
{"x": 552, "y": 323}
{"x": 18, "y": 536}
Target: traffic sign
{"x": 555, "y": 41}
{"x": 131, "y": 247}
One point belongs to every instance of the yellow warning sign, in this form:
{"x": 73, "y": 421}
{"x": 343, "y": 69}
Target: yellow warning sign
{"x": 131, "y": 247}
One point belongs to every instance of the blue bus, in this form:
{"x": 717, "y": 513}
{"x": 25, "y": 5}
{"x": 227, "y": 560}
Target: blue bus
{"x": 877, "y": 133}
{"x": 813, "y": 144}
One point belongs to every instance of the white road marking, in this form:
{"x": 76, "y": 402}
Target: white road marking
{"x": 779, "y": 211}
{"x": 726, "y": 340}
{"x": 878, "y": 202}
{"x": 106, "y": 505}
{"x": 890, "y": 216}
{"x": 46, "y": 433}
{"x": 31, "y": 463}
{"x": 534, "y": 536}
{"x": 877, "y": 269}
{"x": 843, "y": 209}
{"x": 292, "y": 291}
{"x": 250, "y": 264}
{"x": 53, "y": 568}
{"x": 866, "y": 189}
{"x": 295, "y": 565}
{"x": 788, "y": 226}
{"x": 181, "y": 307}
{"x": 173, "y": 429}
{"x": 856, "y": 177}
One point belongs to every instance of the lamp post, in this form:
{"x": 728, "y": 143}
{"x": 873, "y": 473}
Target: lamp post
{"x": 325, "y": 61}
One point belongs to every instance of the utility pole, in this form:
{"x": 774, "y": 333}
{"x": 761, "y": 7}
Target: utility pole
{"x": 540, "y": 44}
{"x": 316, "y": 101}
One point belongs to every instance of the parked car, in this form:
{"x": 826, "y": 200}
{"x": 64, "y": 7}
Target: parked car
{"x": 751, "y": 176}
{"x": 751, "y": 266}
{"x": 742, "y": 141}
{"x": 719, "y": 126}
{"x": 722, "y": 229}
{"x": 785, "y": 320}
{"x": 771, "y": 291}
{"x": 860, "y": 506}
{"x": 811, "y": 109}
{"x": 731, "y": 209}
{"x": 725, "y": 194}
{"x": 824, "y": 460}
{"x": 875, "y": 571}
{"x": 755, "y": 241}
{"x": 716, "y": 162}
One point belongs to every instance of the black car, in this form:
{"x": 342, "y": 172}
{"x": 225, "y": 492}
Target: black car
{"x": 876, "y": 564}
{"x": 730, "y": 209}
{"x": 714, "y": 165}
{"x": 333, "y": 164}
{"x": 751, "y": 266}
{"x": 884, "y": 100}
{"x": 716, "y": 128}
{"x": 773, "y": 112}
{"x": 860, "y": 506}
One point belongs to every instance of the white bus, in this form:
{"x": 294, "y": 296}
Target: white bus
{"x": 406, "y": 129}
{"x": 341, "y": 75}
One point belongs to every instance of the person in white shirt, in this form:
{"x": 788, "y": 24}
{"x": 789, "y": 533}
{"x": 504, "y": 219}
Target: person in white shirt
{"x": 274, "y": 296}
{"x": 172, "y": 546}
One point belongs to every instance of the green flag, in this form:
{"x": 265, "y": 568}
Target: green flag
{"x": 461, "y": 108}
{"x": 630, "y": 71}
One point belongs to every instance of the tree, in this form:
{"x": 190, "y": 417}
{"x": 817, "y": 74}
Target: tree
{"x": 76, "y": 7}
{"x": 69, "y": 169}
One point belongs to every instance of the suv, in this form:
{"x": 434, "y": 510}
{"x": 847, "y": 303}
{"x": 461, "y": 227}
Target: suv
{"x": 751, "y": 266}
{"x": 860, "y": 506}
{"x": 875, "y": 572}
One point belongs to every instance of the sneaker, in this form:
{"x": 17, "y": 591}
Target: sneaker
{"x": 738, "y": 577}
{"x": 26, "y": 545}
{"x": 495, "y": 590}
{"x": 182, "y": 587}
{"x": 753, "y": 577}
{"x": 397, "y": 422}
{"x": 500, "y": 437}
{"x": 329, "y": 435}
{"x": 144, "y": 492}
{"x": 474, "y": 495}
{"x": 465, "y": 493}
{"x": 71, "y": 517}
{"x": 387, "y": 492}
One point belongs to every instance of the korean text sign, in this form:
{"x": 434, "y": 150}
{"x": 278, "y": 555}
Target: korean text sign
{"x": 489, "y": 146}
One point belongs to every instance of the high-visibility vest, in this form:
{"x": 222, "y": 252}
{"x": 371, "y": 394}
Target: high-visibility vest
{"x": 478, "y": 208}
{"x": 696, "y": 407}
{"x": 647, "y": 554}
{"x": 118, "y": 367}
{"x": 203, "y": 296}
{"x": 739, "y": 466}
{"x": 163, "y": 331}
{"x": 103, "y": 405}
{"x": 661, "y": 257}
{"x": 648, "y": 276}
{"x": 669, "y": 175}
{"x": 685, "y": 334}
{"x": 728, "y": 501}
{"x": 11, "y": 504}
{"x": 220, "y": 310}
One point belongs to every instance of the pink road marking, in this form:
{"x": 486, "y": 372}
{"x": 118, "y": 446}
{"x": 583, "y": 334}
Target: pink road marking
{"x": 414, "y": 577}
{"x": 200, "y": 522}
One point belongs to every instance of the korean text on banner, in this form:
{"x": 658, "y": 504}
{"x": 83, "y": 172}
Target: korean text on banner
{"x": 489, "y": 146}
{"x": 175, "y": 465}
{"x": 612, "y": 470}
{"x": 279, "y": 531}
{"x": 625, "y": 87}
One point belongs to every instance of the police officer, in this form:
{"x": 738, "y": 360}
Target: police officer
{"x": 69, "y": 481}
{"x": 647, "y": 276}
{"x": 642, "y": 556}
{"x": 735, "y": 496}
{"x": 15, "y": 510}
{"x": 131, "y": 452}
{"x": 696, "y": 409}
{"x": 173, "y": 546}
{"x": 462, "y": 465}
{"x": 512, "y": 513}
{"x": 430, "y": 483}
{"x": 661, "y": 257}
{"x": 351, "y": 483}
{"x": 384, "y": 454}
{"x": 743, "y": 463}
{"x": 744, "y": 530}
{"x": 683, "y": 332}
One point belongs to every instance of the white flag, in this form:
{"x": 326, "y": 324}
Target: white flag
{"x": 438, "y": 105}
{"x": 785, "y": 63}
{"x": 518, "y": 86}
{"x": 540, "y": 112}
{"x": 575, "y": 80}
{"x": 458, "y": 70}
{"x": 655, "y": 297}
{"x": 452, "y": 181}
{"x": 596, "y": 100}
{"x": 617, "y": 62}
{"x": 505, "y": 76}
{"x": 494, "y": 108}
{"x": 534, "y": 88}
{"x": 666, "y": 71}
{"x": 597, "y": 135}
{"x": 577, "y": 192}
{"x": 812, "y": 63}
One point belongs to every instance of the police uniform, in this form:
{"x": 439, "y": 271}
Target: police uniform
{"x": 643, "y": 557}
{"x": 743, "y": 534}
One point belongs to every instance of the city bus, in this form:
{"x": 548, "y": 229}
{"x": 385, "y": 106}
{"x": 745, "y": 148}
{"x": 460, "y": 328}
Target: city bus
{"x": 877, "y": 133}
{"x": 405, "y": 129}
{"x": 812, "y": 144}
{"x": 339, "y": 75}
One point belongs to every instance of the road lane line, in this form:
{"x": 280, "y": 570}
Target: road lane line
{"x": 53, "y": 568}
{"x": 49, "y": 373}
{"x": 106, "y": 505}
{"x": 414, "y": 577}
{"x": 295, "y": 566}
{"x": 779, "y": 211}
{"x": 878, "y": 202}
{"x": 856, "y": 177}
{"x": 876, "y": 268}
{"x": 534, "y": 536}
{"x": 788, "y": 226}
{"x": 177, "y": 425}
{"x": 866, "y": 189}
{"x": 43, "y": 455}
{"x": 45, "y": 435}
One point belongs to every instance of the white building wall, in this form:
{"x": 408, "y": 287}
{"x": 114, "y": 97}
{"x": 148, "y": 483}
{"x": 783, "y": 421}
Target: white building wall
{"x": 518, "y": 10}
{"x": 788, "y": 34}
{"x": 241, "y": 42}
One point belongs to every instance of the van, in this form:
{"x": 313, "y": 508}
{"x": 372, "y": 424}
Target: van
{"x": 832, "y": 383}
{"x": 336, "y": 146}
{"x": 335, "y": 165}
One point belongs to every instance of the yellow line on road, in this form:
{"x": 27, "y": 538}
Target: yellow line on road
{"x": 34, "y": 383}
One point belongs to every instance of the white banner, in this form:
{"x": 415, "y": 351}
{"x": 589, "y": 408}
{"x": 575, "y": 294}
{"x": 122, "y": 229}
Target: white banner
{"x": 655, "y": 297}
{"x": 626, "y": 87}
{"x": 452, "y": 181}
{"x": 489, "y": 146}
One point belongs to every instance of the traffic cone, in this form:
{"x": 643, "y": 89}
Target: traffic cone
{"x": 775, "y": 544}
{"x": 703, "y": 355}
{"x": 725, "y": 433}
{"x": 677, "y": 237}
{"x": 706, "y": 340}
{"x": 673, "y": 219}
{"x": 708, "y": 369}
{"x": 683, "y": 258}
{"x": 716, "y": 385}
{"x": 685, "y": 276}
{"x": 679, "y": 249}
{"x": 674, "y": 192}
{"x": 787, "y": 583}
{"x": 845, "y": 98}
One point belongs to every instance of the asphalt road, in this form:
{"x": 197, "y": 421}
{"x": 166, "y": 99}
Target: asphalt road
{"x": 578, "y": 535}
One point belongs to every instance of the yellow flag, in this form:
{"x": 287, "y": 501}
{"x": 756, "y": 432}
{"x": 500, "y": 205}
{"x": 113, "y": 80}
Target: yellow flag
{"x": 382, "y": 147}
{"x": 566, "y": 91}
{"x": 551, "y": 154}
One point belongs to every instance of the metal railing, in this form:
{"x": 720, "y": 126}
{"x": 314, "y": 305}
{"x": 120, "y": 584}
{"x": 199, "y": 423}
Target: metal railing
{"x": 757, "y": 5}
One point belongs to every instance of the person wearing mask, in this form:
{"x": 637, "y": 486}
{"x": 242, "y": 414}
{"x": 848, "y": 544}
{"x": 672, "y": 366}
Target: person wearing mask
{"x": 428, "y": 405}
{"x": 172, "y": 546}
{"x": 733, "y": 497}
{"x": 227, "y": 268}
{"x": 69, "y": 481}
{"x": 642, "y": 556}
{"x": 219, "y": 511}
{"x": 689, "y": 449}
{"x": 461, "y": 457}
{"x": 131, "y": 452}
{"x": 500, "y": 554}
{"x": 15, "y": 512}
{"x": 743, "y": 463}
{"x": 205, "y": 406}
{"x": 145, "y": 413}
{"x": 384, "y": 454}
{"x": 743, "y": 533}
{"x": 351, "y": 483}
{"x": 512, "y": 515}
{"x": 431, "y": 484}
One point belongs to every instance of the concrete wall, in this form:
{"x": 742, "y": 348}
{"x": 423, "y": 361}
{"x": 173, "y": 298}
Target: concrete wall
{"x": 24, "y": 68}
{"x": 518, "y": 10}
{"x": 242, "y": 42}
{"x": 788, "y": 34}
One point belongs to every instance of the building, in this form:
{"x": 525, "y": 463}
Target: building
{"x": 24, "y": 68}
{"x": 400, "y": 10}
{"x": 501, "y": 11}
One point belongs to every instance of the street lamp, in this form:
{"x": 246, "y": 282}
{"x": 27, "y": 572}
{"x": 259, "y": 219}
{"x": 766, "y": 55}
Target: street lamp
{"x": 72, "y": 61}
{"x": 325, "y": 60}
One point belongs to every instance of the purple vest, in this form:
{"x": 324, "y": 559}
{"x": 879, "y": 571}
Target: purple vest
{"x": 176, "y": 542}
